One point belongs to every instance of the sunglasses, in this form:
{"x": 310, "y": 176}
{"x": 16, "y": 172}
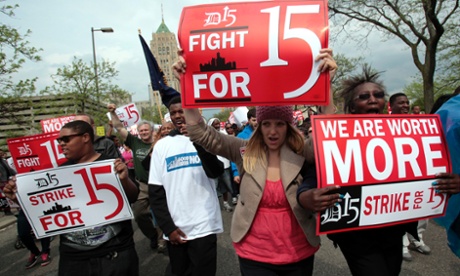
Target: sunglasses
{"x": 66, "y": 138}
{"x": 377, "y": 95}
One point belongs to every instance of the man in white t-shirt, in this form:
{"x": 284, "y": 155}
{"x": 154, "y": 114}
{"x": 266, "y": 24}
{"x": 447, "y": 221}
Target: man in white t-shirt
{"x": 184, "y": 201}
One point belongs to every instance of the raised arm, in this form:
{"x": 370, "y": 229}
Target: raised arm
{"x": 327, "y": 64}
{"x": 117, "y": 124}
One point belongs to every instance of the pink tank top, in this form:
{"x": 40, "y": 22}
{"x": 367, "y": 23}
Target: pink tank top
{"x": 275, "y": 236}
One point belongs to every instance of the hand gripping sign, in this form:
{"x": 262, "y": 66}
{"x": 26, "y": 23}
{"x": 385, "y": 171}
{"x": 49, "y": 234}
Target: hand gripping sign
{"x": 254, "y": 53}
{"x": 36, "y": 152}
{"x": 71, "y": 198}
{"x": 385, "y": 166}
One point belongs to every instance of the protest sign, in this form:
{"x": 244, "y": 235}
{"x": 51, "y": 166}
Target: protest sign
{"x": 128, "y": 115}
{"x": 254, "y": 53}
{"x": 35, "y": 152}
{"x": 385, "y": 166}
{"x": 71, "y": 198}
{"x": 55, "y": 124}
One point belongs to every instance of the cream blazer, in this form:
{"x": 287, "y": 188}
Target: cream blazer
{"x": 252, "y": 185}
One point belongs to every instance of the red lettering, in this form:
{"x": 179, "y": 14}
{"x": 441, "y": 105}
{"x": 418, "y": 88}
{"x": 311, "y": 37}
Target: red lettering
{"x": 33, "y": 201}
{"x": 418, "y": 200}
{"x": 45, "y": 221}
{"x": 406, "y": 201}
{"x": 47, "y": 197}
{"x": 368, "y": 206}
{"x": 385, "y": 200}
{"x": 419, "y": 194}
{"x": 61, "y": 220}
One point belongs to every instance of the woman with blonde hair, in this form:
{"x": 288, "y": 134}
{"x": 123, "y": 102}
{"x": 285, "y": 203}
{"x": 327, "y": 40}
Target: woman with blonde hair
{"x": 271, "y": 233}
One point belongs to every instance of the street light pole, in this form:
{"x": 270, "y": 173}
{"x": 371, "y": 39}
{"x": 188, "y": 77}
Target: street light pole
{"x": 104, "y": 30}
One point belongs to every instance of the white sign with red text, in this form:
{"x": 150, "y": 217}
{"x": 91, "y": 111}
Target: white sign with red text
{"x": 55, "y": 124}
{"x": 71, "y": 198}
{"x": 385, "y": 166}
{"x": 128, "y": 115}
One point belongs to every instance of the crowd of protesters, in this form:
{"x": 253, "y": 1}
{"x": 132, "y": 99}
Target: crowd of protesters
{"x": 274, "y": 202}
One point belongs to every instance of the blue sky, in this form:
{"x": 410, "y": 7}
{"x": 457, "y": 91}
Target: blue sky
{"x": 63, "y": 30}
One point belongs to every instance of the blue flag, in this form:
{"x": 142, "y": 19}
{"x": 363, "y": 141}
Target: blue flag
{"x": 157, "y": 77}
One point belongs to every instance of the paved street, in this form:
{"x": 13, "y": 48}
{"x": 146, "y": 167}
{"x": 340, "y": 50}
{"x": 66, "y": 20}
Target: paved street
{"x": 328, "y": 261}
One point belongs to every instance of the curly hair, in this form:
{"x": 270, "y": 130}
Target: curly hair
{"x": 348, "y": 91}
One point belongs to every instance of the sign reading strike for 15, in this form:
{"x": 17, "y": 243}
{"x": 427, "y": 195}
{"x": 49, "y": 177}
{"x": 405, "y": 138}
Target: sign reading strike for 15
{"x": 385, "y": 166}
{"x": 72, "y": 198}
{"x": 234, "y": 58}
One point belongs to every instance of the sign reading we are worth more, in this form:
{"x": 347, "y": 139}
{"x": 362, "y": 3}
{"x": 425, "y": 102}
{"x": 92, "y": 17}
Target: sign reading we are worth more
{"x": 254, "y": 53}
{"x": 385, "y": 166}
{"x": 71, "y": 198}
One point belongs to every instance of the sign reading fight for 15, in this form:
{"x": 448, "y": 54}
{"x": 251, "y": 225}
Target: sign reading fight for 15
{"x": 257, "y": 53}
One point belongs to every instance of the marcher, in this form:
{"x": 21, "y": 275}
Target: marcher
{"x": 104, "y": 250}
{"x": 376, "y": 251}
{"x": 140, "y": 148}
{"x": 5, "y": 173}
{"x": 399, "y": 104}
{"x": 102, "y": 144}
{"x": 223, "y": 181}
{"x": 244, "y": 134}
{"x": 272, "y": 235}
{"x": 184, "y": 200}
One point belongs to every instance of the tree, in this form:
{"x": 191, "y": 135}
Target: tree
{"x": 14, "y": 51}
{"x": 223, "y": 115}
{"x": 153, "y": 115}
{"x": 420, "y": 24}
{"x": 78, "y": 79}
{"x": 414, "y": 92}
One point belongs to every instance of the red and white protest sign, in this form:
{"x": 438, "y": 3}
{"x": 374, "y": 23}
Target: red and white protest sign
{"x": 36, "y": 152}
{"x": 128, "y": 115}
{"x": 385, "y": 166}
{"x": 55, "y": 124}
{"x": 254, "y": 53}
{"x": 71, "y": 198}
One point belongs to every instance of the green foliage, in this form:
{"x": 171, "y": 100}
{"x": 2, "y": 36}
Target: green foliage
{"x": 223, "y": 115}
{"x": 78, "y": 80}
{"x": 152, "y": 114}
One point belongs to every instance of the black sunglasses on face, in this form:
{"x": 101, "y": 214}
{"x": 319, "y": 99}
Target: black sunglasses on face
{"x": 377, "y": 95}
{"x": 66, "y": 138}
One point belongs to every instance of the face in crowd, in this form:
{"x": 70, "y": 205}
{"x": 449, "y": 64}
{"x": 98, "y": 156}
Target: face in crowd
{"x": 273, "y": 133}
{"x": 400, "y": 105}
{"x": 368, "y": 98}
{"x": 177, "y": 117}
{"x": 216, "y": 124}
{"x": 166, "y": 128}
{"x": 229, "y": 129}
{"x": 253, "y": 122}
{"x": 145, "y": 132}
{"x": 416, "y": 109}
